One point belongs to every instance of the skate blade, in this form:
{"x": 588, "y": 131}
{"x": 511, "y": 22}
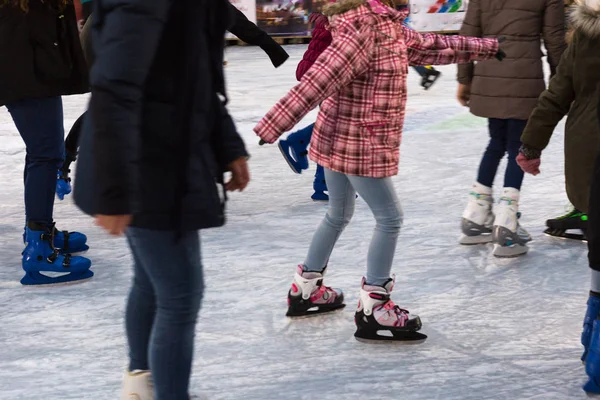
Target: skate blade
{"x": 399, "y": 338}
{"x": 39, "y": 279}
{"x": 313, "y": 313}
{"x": 558, "y": 234}
{"x": 286, "y": 157}
{"x": 513, "y": 251}
{"x": 474, "y": 240}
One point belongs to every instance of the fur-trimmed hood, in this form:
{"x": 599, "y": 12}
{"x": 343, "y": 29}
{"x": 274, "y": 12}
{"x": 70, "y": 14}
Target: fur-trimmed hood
{"x": 341, "y": 7}
{"x": 333, "y": 10}
{"x": 586, "y": 17}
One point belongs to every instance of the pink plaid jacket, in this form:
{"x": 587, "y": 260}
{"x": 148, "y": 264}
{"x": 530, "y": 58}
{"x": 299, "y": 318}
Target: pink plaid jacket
{"x": 360, "y": 79}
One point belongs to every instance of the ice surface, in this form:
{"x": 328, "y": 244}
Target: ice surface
{"x": 498, "y": 329}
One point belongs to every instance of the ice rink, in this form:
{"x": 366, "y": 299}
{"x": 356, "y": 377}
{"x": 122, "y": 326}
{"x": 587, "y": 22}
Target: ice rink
{"x": 498, "y": 329}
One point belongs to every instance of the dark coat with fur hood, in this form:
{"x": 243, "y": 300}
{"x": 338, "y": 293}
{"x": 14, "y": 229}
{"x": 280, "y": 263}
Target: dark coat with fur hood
{"x": 575, "y": 89}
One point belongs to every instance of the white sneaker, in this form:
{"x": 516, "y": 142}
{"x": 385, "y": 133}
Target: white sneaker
{"x": 509, "y": 236}
{"x": 137, "y": 385}
{"x": 478, "y": 217}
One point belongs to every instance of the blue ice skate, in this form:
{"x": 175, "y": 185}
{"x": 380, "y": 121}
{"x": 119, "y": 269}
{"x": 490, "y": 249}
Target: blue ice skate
{"x": 40, "y": 256}
{"x": 67, "y": 242}
{"x": 294, "y": 149}
{"x": 63, "y": 185}
{"x": 593, "y": 310}
{"x": 320, "y": 186}
{"x": 592, "y": 364}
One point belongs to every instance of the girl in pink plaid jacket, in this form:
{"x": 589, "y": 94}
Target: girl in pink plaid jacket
{"x": 361, "y": 82}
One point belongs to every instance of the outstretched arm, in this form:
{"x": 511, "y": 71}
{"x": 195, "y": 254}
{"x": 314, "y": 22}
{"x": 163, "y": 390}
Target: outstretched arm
{"x": 432, "y": 49}
{"x": 346, "y": 58}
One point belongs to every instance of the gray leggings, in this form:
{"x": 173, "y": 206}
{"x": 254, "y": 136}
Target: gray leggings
{"x": 380, "y": 196}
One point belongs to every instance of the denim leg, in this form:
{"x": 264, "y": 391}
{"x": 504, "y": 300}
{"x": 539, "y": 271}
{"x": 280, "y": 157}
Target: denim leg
{"x": 380, "y": 196}
{"x": 139, "y": 314}
{"x": 341, "y": 208}
{"x": 40, "y": 124}
{"x": 174, "y": 268}
{"x": 494, "y": 152}
{"x": 513, "y": 176}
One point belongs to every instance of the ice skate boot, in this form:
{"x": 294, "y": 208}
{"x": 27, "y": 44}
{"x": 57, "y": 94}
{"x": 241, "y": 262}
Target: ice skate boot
{"x": 510, "y": 239}
{"x": 137, "y": 385}
{"x": 592, "y": 313}
{"x": 430, "y": 77}
{"x": 41, "y": 256}
{"x": 66, "y": 242}
{"x": 477, "y": 219}
{"x": 592, "y": 363}
{"x": 573, "y": 220}
{"x": 376, "y": 312}
{"x": 320, "y": 186}
{"x": 294, "y": 149}
{"x": 308, "y": 295}
{"x": 63, "y": 180}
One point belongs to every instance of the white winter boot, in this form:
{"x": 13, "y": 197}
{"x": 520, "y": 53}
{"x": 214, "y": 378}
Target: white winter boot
{"x": 478, "y": 217}
{"x": 509, "y": 237}
{"x": 137, "y": 385}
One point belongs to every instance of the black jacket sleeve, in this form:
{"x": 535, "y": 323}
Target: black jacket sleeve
{"x": 227, "y": 143}
{"x": 248, "y": 32}
{"x": 127, "y": 42}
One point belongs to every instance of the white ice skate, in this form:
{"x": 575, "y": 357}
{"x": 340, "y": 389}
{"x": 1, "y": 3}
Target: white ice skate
{"x": 308, "y": 295}
{"x": 510, "y": 239}
{"x": 478, "y": 217}
{"x": 377, "y": 313}
{"x": 137, "y": 385}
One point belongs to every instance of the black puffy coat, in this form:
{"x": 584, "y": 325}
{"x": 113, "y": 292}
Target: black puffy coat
{"x": 158, "y": 138}
{"x": 40, "y": 53}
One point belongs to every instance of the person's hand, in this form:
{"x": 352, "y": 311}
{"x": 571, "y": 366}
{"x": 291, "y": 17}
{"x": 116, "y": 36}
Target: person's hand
{"x": 529, "y": 165}
{"x": 240, "y": 175}
{"x": 114, "y": 224}
{"x": 464, "y": 94}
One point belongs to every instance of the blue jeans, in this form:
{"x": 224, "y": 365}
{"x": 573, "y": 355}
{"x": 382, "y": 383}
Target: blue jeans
{"x": 40, "y": 124}
{"x": 505, "y": 137}
{"x": 163, "y": 307}
{"x": 380, "y": 196}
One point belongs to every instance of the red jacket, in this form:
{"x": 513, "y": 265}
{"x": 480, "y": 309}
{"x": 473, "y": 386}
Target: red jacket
{"x": 321, "y": 39}
{"x": 361, "y": 81}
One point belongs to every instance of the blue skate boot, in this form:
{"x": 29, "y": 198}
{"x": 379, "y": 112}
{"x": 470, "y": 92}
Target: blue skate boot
{"x": 592, "y": 364}
{"x": 294, "y": 149}
{"x": 41, "y": 256}
{"x": 593, "y": 310}
{"x": 320, "y": 186}
{"x": 67, "y": 242}
{"x": 63, "y": 180}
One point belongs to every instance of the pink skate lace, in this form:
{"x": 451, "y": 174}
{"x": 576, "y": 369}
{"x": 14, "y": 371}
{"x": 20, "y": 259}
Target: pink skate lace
{"x": 323, "y": 295}
{"x": 392, "y": 310}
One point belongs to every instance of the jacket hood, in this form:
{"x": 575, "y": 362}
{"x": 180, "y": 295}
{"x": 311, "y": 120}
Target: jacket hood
{"x": 586, "y": 17}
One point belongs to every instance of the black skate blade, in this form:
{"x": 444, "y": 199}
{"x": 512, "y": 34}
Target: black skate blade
{"x": 398, "y": 337}
{"x": 560, "y": 234}
{"x": 314, "y": 311}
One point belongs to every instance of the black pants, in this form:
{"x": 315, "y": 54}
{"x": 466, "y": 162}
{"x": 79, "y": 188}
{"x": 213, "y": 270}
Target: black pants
{"x": 72, "y": 140}
{"x": 593, "y": 231}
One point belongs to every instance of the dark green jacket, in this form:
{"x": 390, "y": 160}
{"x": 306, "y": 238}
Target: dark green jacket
{"x": 575, "y": 89}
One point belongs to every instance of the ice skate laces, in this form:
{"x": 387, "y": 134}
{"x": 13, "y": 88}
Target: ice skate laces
{"x": 392, "y": 311}
{"x": 49, "y": 237}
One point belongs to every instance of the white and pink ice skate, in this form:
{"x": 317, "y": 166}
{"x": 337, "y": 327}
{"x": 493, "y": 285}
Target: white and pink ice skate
{"x": 308, "y": 295}
{"x": 377, "y": 313}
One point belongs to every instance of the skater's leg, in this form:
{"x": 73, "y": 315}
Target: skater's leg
{"x": 513, "y": 177}
{"x": 493, "y": 153}
{"x": 72, "y": 140}
{"x": 380, "y": 196}
{"x": 341, "y": 208}
{"x": 139, "y": 314}
{"x": 173, "y": 265}
{"x": 421, "y": 70}
{"x": 40, "y": 124}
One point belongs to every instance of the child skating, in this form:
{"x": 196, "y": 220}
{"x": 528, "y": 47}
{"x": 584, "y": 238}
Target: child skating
{"x": 505, "y": 93}
{"x": 360, "y": 82}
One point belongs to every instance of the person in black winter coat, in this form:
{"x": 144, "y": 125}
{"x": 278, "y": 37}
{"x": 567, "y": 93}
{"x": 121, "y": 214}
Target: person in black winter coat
{"x": 41, "y": 61}
{"x": 154, "y": 148}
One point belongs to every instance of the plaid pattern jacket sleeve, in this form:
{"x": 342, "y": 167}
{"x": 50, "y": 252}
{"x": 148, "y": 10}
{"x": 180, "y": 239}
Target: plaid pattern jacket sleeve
{"x": 346, "y": 58}
{"x": 432, "y": 49}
